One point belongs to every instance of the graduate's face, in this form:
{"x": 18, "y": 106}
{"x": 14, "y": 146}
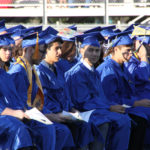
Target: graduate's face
{"x": 91, "y": 54}
{"x": 54, "y": 53}
{"x": 124, "y": 53}
{"x": 5, "y": 53}
{"x": 17, "y": 40}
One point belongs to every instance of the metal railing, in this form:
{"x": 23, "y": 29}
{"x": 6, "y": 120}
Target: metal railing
{"x": 36, "y": 3}
{"x": 73, "y": 8}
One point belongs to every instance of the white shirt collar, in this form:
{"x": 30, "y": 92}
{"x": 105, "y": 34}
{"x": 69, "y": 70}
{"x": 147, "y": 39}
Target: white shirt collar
{"x": 87, "y": 65}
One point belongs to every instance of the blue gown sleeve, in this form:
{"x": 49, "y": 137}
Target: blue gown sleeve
{"x": 49, "y": 106}
{"x": 19, "y": 77}
{"x": 138, "y": 70}
{"x": 82, "y": 97}
{"x": 2, "y": 106}
{"x": 109, "y": 85}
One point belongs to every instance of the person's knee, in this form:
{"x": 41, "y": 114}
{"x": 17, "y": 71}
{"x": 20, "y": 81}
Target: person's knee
{"x": 104, "y": 129}
{"x": 66, "y": 130}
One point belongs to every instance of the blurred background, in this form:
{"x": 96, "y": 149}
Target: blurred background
{"x": 84, "y": 13}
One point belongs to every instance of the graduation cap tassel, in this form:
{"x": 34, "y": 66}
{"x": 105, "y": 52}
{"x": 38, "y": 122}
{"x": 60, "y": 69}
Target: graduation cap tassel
{"x": 36, "y": 53}
{"x": 135, "y": 53}
{"x": 77, "y": 47}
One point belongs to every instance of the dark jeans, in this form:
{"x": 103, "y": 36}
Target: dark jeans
{"x": 138, "y": 129}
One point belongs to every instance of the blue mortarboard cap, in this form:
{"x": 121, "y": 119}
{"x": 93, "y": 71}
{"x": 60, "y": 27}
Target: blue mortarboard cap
{"x": 107, "y": 31}
{"x": 117, "y": 31}
{"x": 130, "y": 28}
{"x": 18, "y": 33}
{"x": 48, "y": 31}
{"x": 121, "y": 39}
{"x": 13, "y": 29}
{"x": 73, "y": 27}
{"x": 50, "y": 38}
{"x": 113, "y": 36}
{"x": 31, "y": 30}
{"x": 108, "y": 27}
{"x": 51, "y": 30}
{"x": 91, "y": 39}
{"x": 2, "y": 25}
{"x": 31, "y": 40}
{"x": 16, "y": 30}
{"x": 96, "y": 34}
{"x": 5, "y": 39}
{"x": 144, "y": 39}
{"x": 96, "y": 29}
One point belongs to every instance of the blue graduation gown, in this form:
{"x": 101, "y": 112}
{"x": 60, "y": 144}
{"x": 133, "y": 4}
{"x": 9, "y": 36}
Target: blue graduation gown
{"x": 22, "y": 84}
{"x": 15, "y": 134}
{"x": 139, "y": 73}
{"x": 87, "y": 94}
{"x": 55, "y": 94}
{"x": 118, "y": 87}
{"x": 57, "y": 100}
{"x": 65, "y": 65}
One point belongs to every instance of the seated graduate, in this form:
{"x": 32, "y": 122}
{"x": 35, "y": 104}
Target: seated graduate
{"x": 17, "y": 33}
{"x": 30, "y": 90}
{"x": 18, "y": 132}
{"x": 117, "y": 87}
{"x": 57, "y": 100}
{"x": 138, "y": 67}
{"x": 87, "y": 94}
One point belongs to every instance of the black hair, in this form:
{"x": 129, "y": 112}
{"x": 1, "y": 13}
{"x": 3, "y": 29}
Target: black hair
{"x": 58, "y": 39}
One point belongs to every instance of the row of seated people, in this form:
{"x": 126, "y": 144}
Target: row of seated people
{"x": 40, "y": 69}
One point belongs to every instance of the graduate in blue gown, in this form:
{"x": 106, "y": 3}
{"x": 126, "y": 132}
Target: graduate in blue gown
{"x": 118, "y": 87}
{"x": 87, "y": 94}
{"x": 17, "y": 131}
{"x": 30, "y": 90}
{"x": 57, "y": 100}
{"x": 138, "y": 70}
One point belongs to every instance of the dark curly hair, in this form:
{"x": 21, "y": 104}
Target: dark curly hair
{"x": 18, "y": 50}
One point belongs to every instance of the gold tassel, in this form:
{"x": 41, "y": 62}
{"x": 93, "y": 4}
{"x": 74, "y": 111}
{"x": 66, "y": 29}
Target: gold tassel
{"x": 135, "y": 54}
{"x": 36, "y": 53}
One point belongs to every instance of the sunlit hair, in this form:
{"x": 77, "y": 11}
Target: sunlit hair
{"x": 111, "y": 50}
{"x": 18, "y": 50}
{"x": 68, "y": 49}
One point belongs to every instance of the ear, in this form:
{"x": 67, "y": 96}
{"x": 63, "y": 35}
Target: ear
{"x": 116, "y": 49}
{"x": 82, "y": 51}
